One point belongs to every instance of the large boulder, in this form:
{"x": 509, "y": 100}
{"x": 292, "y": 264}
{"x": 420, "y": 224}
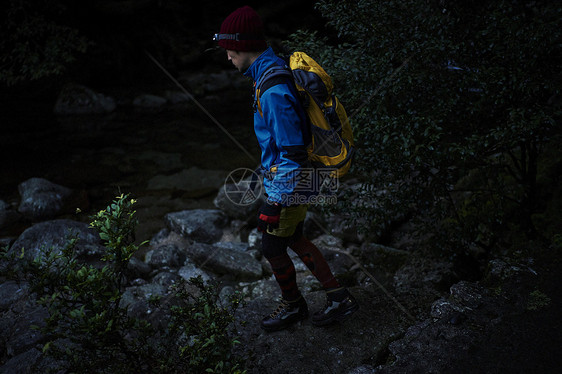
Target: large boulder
{"x": 11, "y": 292}
{"x": 39, "y": 238}
{"x": 201, "y": 225}
{"x": 41, "y": 199}
{"x": 225, "y": 260}
{"x": 189, "y": 271}
{"x": 23, "y": 335}
{"x": 238, "y": 200}
{"x": 78, "y": 99}
{"x": 166, "y": 255}
{"x": 148, "y": 101}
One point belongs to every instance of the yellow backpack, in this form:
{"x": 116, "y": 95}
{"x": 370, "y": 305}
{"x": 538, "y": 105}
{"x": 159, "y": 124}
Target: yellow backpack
{"x": 332, "y": 138}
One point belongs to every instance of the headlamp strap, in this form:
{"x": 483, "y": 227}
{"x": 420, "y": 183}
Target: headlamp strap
{"x": 237, "y": 36}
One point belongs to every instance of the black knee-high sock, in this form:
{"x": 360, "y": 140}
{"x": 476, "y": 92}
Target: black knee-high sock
{"x": 275, "y": 251}
{"x": 286, "y": 276}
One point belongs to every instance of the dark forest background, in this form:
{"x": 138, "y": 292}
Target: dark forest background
{"x": 455, "y": 104}
{"x": 103, "y": 43}
{"x": 455, "y": 107}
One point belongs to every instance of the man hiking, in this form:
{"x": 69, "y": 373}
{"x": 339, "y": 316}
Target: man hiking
{"x": 280, "y": 124}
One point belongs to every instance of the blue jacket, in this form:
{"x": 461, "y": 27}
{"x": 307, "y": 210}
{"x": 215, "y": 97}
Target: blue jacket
{"x": 281, "y": 133}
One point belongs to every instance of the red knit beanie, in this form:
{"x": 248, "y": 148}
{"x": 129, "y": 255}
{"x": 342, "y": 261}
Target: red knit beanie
{"x": 242, "y": 30}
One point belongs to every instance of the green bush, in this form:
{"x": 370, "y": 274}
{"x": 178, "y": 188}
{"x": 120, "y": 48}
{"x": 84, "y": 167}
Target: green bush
{"x": 452, "y": 103}
{"x": 89, "y": 331}
{"x": 35, "y": 43}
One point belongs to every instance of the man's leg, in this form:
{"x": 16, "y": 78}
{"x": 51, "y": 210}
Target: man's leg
{"x": 293, "y": 307}
{"x": 274, "y": 249}
{"x": 315, "y": 262}
{"x": 340, "y": 303}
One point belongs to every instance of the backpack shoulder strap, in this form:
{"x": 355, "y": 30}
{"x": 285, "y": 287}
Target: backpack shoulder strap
{"x": 271, "y": 77}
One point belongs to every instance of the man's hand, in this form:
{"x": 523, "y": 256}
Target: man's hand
{"x": 268, "y": 216}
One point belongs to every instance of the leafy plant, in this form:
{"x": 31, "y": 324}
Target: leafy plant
{"x": 537, "y": 300}
{"x": 35, "y": 44}
{"x": 452, "y": 103}
{"x": 88, "y": 330}
{"x": 197, "y": 329}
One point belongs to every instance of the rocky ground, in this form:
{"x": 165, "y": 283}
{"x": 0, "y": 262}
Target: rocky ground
{"x": 418, "y": 314}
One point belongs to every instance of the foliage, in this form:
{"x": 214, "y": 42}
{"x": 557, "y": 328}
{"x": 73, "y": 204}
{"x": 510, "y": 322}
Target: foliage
{"x": 35, "y": 44}
{"x": 102, "y": 40}
{"x": 537, "y": 300}
{"x": 197, "y": 332}
{"x": 442, "y": 92}
{"x": 89, "y": 330}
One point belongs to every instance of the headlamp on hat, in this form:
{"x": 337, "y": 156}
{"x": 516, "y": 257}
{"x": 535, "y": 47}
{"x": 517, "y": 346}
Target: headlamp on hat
{"x": 238, "y": 36}
{"x": 242, "y": 30}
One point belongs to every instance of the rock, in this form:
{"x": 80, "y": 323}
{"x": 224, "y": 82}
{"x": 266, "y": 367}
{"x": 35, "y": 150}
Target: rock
{"x": 225, "y": 294}
{"x": 382, "y": 253}
{"x": 23, "y": 363}
{"x": 23, "y": 337}
{"x": 177, "y": 97}
{"x": 6, "y": 242}
{"x": 37, "y": 239}
{"x": 160, "y": 237}
{"x": 499, "y": 270}
{"x": 237, "y": 200}
{"x": 194, "y": 182}
{"x": 336, "y": 225}
{"x": 222, "y": 260}
{"x": 137, "y": 269}
{"x": 189, "y": 271}
{"x": 363, "y": 369}
{"x": 6, "y": 214}
{"x": 267, "y": 289}
{"x": 78, "y": 99}
{"x": 333, "y": 250}
{"x": 166, "y": 279}
{"x": 424, "y": 273}
{"x": 208, "y": 83}
{"x": 148, "y": 101}
{"x": 236, "y": 232}
{"x": 467, "y": 293}
{"x": 166, "y": 255}
{"x": 314, "y": 225}
{"x": 11, "y": 292}
{"x": 443, "y": 308}
{"x": 328, "y": 241}
{"x": 254, "y": 239}
{"x": 240, "y": 247}
{"x": 41, "y": 199}
{"x": 137, "y": 298}
{"x": 386, "y": 258}
{"x": 201, "y": 225}
{"x": 436, "y": 344}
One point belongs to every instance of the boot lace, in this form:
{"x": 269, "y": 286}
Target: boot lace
{"x": 283, "y": 305}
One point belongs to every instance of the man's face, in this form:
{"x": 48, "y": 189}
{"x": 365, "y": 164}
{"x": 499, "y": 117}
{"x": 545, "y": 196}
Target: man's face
{"x": 239, "y": 59}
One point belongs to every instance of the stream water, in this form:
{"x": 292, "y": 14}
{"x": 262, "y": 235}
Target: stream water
{"x": 103, "y": 155}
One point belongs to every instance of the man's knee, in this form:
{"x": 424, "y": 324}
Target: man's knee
{"x": 273, "y": 246}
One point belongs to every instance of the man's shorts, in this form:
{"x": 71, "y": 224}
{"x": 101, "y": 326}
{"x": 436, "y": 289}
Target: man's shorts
{"x": 290, "y": 217}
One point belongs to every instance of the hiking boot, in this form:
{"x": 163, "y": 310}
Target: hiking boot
{"x": 335, "y": 311}
{"x": 286, "y": 314}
